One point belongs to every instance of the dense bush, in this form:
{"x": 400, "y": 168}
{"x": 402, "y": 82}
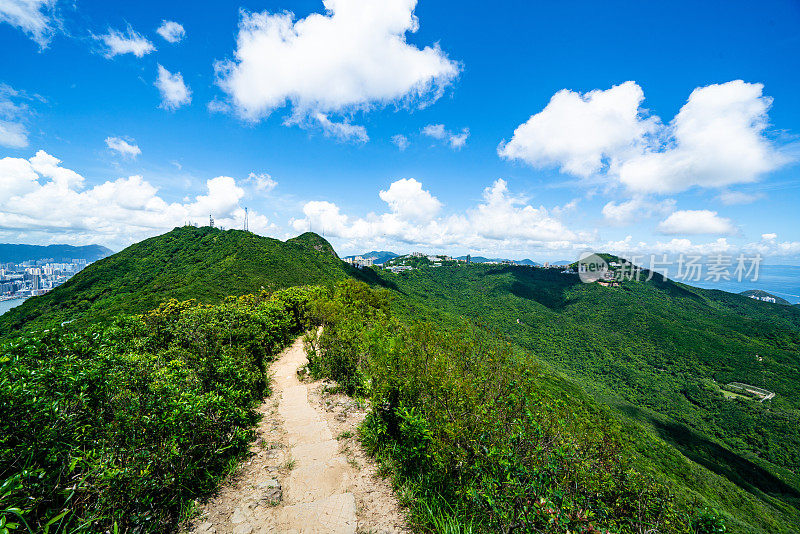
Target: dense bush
{"x": 121, "y": 427}
{"x": 480, "y": 435}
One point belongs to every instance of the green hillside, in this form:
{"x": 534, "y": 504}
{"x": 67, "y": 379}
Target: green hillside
{"x": 662, "y": 354}
{"x": 665, "y": 357}
{"x": 206, "y": 264}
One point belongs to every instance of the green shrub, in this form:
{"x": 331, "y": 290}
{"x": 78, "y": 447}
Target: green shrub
{"x": 121, "y": 427}
{"x": 482, "y": 437}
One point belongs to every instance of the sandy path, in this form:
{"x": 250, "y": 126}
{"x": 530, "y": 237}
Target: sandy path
{"x": 301, "y": 479}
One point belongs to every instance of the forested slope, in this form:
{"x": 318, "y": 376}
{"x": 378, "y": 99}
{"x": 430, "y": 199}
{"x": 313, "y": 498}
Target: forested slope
{"x": 659, "y": 353}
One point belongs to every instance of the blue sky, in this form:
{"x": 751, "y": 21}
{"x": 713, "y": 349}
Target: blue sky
{"x": 298, "y": 119}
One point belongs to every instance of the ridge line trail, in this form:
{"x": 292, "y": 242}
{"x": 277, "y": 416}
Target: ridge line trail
{"x": 301, "y": 478}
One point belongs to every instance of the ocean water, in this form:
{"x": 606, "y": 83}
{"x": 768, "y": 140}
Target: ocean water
{"x": 6, "y": 305}
{"x": 780, "y": 280}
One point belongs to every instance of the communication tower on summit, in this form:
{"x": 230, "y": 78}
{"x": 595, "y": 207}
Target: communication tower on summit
{"x": 246, "y": 225}
{"x": 211, "y": 221}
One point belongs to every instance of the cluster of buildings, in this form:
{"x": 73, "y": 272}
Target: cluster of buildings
{"x": 360, "y": 262}
{"x": 32, "y": 278}
{"x": 765, "y": 298}
{"x": 420, "y": 259}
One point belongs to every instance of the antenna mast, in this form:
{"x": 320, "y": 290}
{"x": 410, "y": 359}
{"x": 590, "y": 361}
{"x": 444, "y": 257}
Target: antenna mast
{"x": 211, "y": 221}
{"x": 246, "y": 226}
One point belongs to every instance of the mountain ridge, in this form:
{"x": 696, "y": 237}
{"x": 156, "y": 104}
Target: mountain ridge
{"x": 206, "y": 264}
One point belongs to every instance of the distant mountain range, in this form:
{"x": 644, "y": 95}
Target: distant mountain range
{"x": 12, "y": 253}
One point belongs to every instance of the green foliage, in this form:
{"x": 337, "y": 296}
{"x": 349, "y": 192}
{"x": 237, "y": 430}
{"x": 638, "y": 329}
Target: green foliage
{"x": 206, "y": 264}
{"x": 657, "y": 352}
{"x": 481, "y": 436}
{"x": 119, "y": 427}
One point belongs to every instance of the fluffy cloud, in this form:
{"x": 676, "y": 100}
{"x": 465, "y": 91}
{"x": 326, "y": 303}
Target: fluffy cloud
{"x": 171, "y": 31}
{"x": 174, "y": 92}
{"x": 716, "y": 140}
{"x": 355, "y": 56}
{"x": 501, "y": 221}
{"x": 438, "y": 131}
{"x": 581, "y": 133}
{"x": 401, "y": 141}
{"x": 34, "y": 17}
{"x": 771, "y": 246}
{"x": 41, "y": 201}
{"x": 409, "y": 201}
{"x": 696, "y": 222}
{"x": 123, "y": 147}
{"x": 128, "y": 42}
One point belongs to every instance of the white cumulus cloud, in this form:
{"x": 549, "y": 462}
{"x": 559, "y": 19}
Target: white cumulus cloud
{"x": 35, "y": 17}
{"x": 696, "y": 222}
{"x": 171, "y": 31}
{"x": 582, "y": 133}
{"x": 716, "y": 140}
{"x": 409, "y": 201}
{"x": 123, "y": 147}
{"x": 41, "y": 201}
{"x": 127, "y": 42}
{"x": 501, "y": 221}
{"x": 353, "y": 57}
{"x": 174, "y": 93}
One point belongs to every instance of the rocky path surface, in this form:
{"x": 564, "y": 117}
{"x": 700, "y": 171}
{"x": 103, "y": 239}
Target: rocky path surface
{"x": 303, "y": 478}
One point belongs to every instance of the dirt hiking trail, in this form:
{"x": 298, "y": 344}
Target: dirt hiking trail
{"x": 300, "y": 477}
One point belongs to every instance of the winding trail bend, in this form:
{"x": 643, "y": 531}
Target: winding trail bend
{"x": 301, "y": 478}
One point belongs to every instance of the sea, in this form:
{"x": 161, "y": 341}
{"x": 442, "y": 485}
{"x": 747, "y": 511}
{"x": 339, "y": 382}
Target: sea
{"x": 780, "y": 280}
{"x": 6, "y": 305}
